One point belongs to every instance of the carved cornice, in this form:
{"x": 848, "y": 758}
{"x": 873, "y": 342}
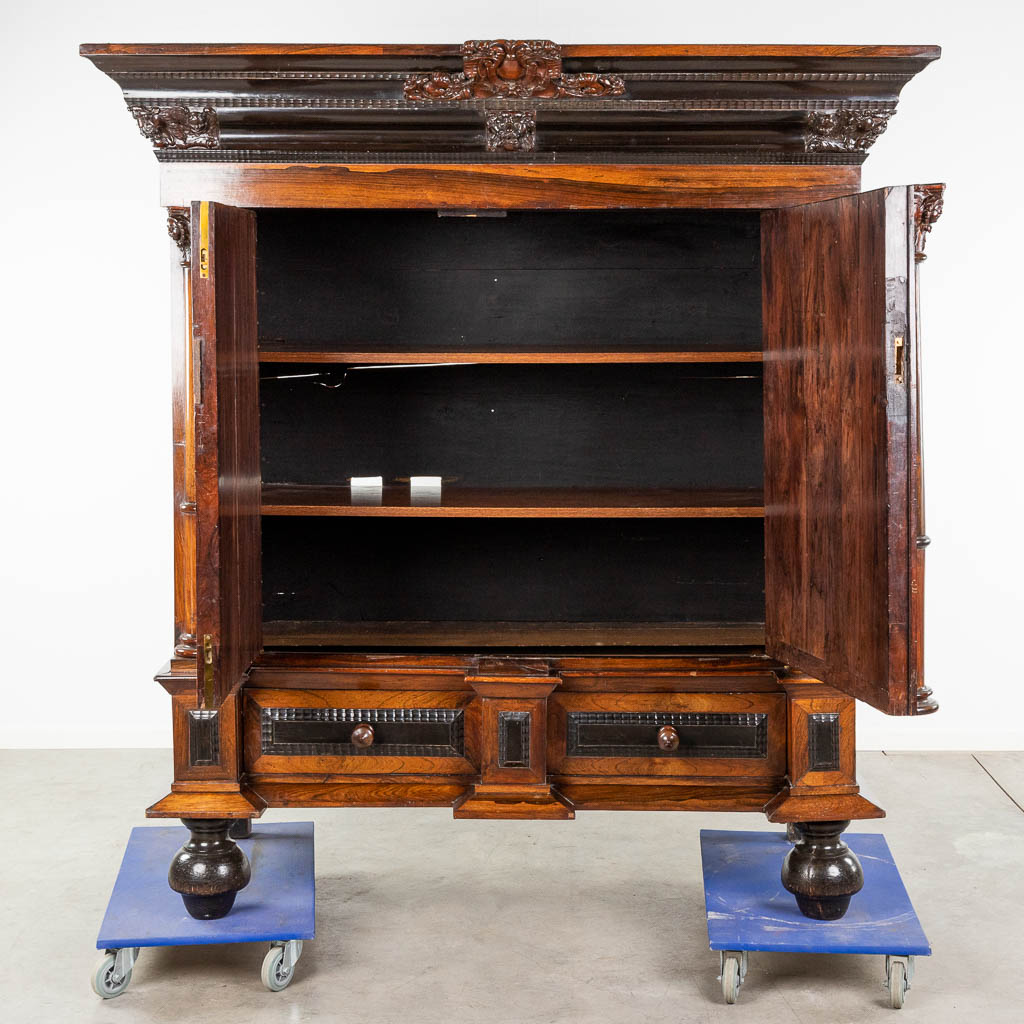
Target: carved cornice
{"x": 845, "y": 131}
{"x": 177, "y": 127}
{"x": 511, "y": 132}
{"x": 927, "y": 210}
{"x": 592, "y": 104}
{"x": 179, "y": 230}
{"x": 513, "y": 69}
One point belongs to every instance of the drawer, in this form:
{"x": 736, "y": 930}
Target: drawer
{"x": 360, "y": 732}
{"x": 739, "y": 735}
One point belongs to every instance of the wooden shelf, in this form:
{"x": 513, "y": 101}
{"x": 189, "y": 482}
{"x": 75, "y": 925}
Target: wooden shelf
{"x": 352, "y": 357}
{"x": 568, "y": 503}
{"x": 511, "y": 634}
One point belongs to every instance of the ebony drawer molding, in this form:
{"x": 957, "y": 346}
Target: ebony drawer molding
{"x": 665, "y": 734}
{"x": 361, "y": 732}
{"x": 682, "y": 735}
{"x": 408, "y": 732}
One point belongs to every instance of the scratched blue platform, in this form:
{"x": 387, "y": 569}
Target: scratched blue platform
{"x": 278, "y": 903}
{"x": 748, "y": 909}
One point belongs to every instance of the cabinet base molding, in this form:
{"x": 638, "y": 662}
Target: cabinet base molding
{"x": 789, "y": 807}
{"x": 208, "y": 804}
{"x": 514, "y": 802}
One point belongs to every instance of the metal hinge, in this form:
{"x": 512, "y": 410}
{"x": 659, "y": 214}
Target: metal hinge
{"x": 900, "y": 359}
{"x": 207, "y": 670}
{"x": 204, "y": 239}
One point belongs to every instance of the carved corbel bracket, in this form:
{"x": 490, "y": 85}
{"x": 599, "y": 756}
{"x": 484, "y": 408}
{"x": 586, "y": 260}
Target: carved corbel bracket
{"x": 845, "y": 131}
{"x": 513, "y": 69}
{"x": 927, "y": 210}
{"x": 177, "y": 127}
{"x": 178, "y": 227}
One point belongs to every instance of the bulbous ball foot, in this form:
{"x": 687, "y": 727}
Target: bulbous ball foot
{"x": 209, "y": 869}
{"x": 823, "y": 909}
{"x": 208, "y": 908}
{"x": 821, "y": 871}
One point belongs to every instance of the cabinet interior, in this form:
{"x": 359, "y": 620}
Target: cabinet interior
{"x": 587, "y": 387}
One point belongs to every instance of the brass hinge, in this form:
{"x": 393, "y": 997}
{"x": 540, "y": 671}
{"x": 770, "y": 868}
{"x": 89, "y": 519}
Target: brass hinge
{"x": 204, "y": 239}
{"x": 900, "y": 359}
{"x": 207, "y": 670}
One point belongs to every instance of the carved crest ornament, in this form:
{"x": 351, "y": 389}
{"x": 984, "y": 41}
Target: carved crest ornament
{"x": 177, "y": 127}
{"x": 510, "y": 69}
{"x": 845, "y": 131}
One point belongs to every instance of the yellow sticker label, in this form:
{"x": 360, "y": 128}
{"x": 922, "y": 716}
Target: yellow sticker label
{"x": 204, "y": 239}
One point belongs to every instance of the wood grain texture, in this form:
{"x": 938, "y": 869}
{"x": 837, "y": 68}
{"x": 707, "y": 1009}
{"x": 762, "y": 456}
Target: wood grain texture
{"x": 505, "y": 186}
{"x": 550, "y": 502}
{"x": 227, "y": 447}
{"x": 836, "y": 443}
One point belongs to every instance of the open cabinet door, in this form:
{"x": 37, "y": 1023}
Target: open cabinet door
{"x": 843, "y": 563}
{"x": 226, "y": 385}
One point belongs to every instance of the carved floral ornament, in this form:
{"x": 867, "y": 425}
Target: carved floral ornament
{"x": 845, "y": 131}
{"x": 510, "y": 131}
{"x": 513, "y": 69}
{"x": 177, "y": 127}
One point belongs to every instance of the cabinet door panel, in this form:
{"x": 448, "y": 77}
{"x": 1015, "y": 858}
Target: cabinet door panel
{"x": 841, "y": 447}
{"x": 226, "y": 366}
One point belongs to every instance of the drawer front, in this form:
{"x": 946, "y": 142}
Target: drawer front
{"x": 356, "y": 732}
{"x": 685, "y": 734}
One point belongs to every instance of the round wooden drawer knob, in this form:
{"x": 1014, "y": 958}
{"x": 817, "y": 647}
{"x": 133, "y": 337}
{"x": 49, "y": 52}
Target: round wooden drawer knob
{"x": 668, "y": 738}
{"x": 362, "y": 735}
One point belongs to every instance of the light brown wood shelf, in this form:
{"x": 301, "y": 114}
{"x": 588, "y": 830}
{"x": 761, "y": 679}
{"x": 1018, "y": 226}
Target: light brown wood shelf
{"x": 511, "y": 634}
{"x": 270, "y": 354}
{"x": 554, "y": 502}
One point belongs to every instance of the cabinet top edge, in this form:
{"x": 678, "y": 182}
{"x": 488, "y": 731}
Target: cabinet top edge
{"x": 924, "y": 51}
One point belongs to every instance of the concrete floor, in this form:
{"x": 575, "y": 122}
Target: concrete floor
{"x": 422, "y": 919}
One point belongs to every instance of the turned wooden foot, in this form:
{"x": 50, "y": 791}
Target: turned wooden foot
{"x": 821, "y": 871}
{"x": 241, "y": 828}
{"x": 209, "y": 869}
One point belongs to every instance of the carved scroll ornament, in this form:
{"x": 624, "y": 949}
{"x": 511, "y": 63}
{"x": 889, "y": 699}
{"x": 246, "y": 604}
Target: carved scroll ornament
{"x": 177, "y": 127}
{"x": 845, "y": 131}
{"x": 514, "y": 69}
{"x": 927, "y": 210}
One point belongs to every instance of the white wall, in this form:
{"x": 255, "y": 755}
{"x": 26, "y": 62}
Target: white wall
{"x": 86, "y": 564}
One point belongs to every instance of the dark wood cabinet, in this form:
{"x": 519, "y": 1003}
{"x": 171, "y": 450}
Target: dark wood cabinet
{"x": 546, "y": 428}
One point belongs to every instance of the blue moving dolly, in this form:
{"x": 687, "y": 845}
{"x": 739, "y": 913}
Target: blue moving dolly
{"x": 748, "y": 910}
{"x": 278, "y": 906}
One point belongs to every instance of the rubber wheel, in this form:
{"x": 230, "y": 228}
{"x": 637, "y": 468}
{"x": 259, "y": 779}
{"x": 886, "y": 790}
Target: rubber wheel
{"x": 273, "y": 974}
{"x": 897, "y": 985}
{"x": 731, "y": 980}
{"x": 103, "y": 978}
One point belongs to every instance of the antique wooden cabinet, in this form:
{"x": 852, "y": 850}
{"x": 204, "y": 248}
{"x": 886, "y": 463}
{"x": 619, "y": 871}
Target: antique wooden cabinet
{"x": 546, "y": 432}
